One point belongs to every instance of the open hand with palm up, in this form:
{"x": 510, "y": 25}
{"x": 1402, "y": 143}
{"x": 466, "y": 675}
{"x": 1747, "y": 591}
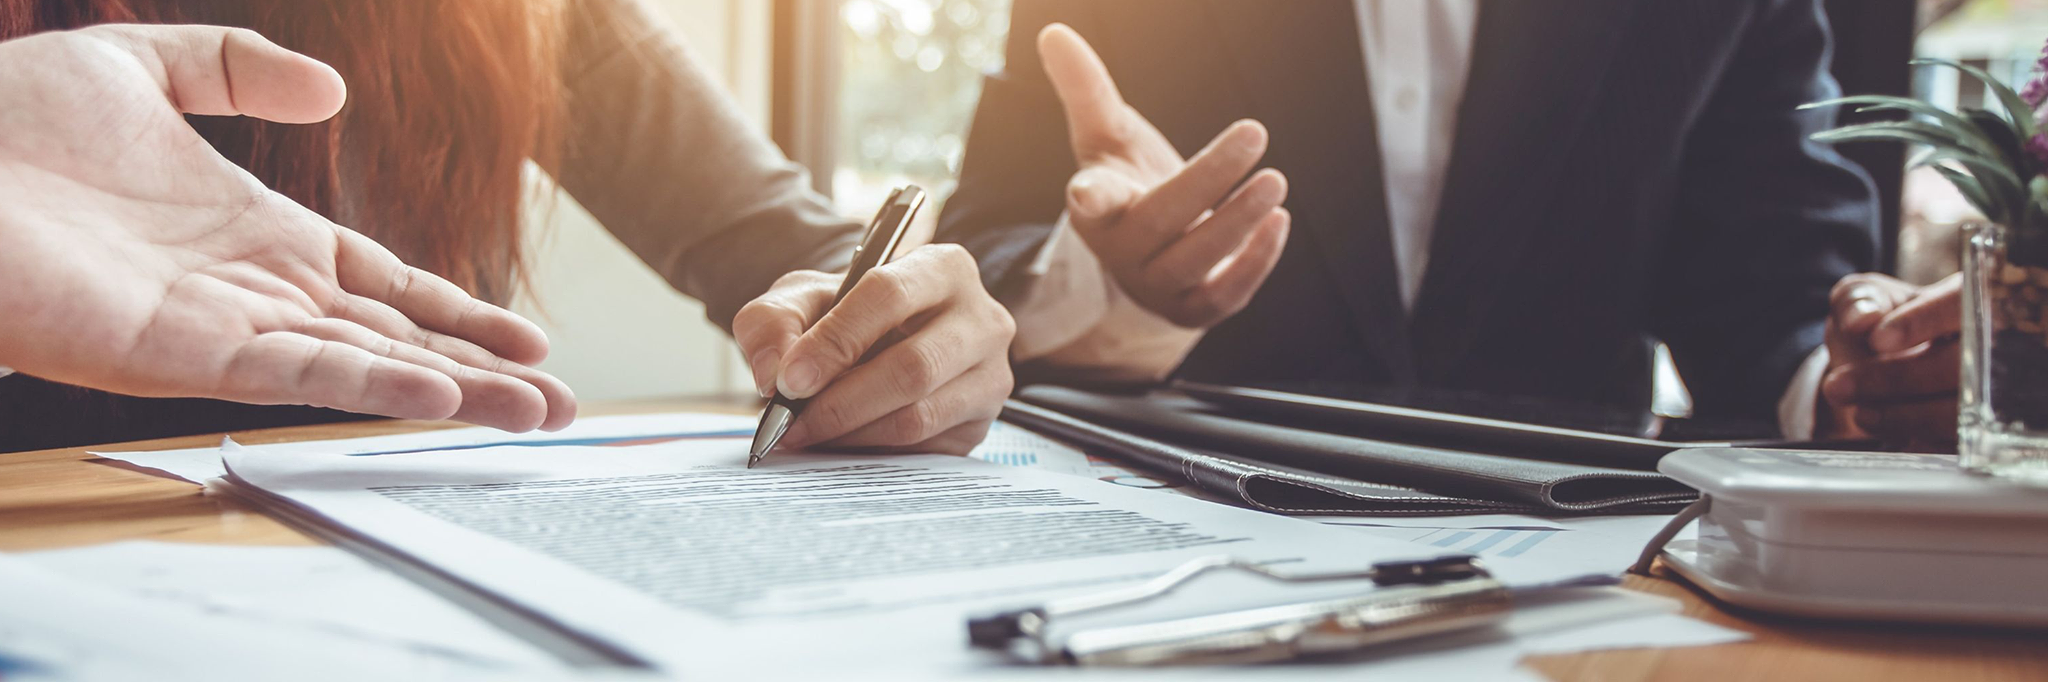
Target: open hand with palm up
{"x": 137, "y": 260}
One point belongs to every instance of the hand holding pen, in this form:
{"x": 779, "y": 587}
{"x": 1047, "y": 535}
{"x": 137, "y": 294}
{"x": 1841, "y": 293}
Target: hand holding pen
{"x": 823, "y": 342}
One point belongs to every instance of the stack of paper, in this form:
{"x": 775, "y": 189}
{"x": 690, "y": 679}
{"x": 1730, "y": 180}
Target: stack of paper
{"x": 671, "y": 554}
{"x": 676, "y": 555}
{"x": 53, "y": 627}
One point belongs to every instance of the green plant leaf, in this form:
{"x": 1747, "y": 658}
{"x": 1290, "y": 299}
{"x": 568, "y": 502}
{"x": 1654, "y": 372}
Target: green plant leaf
{"x": 1965, "y": 132}
{"x": 2002, "y": 136}
{"x": 1917, "y": 132}
{"x": 1997, "y": 182}
{"x": 1972, "y": 192}
{"x": 2016, "y": 110}
{"x": 2037, "y": 215}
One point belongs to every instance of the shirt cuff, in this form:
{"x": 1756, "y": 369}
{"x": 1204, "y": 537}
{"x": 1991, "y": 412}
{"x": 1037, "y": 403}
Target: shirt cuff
{"x": 1066, "y": 295}
{"x": 1073, "y": 315}
{"x": 1796, "y": 409}
{"x": 4, "y": 372}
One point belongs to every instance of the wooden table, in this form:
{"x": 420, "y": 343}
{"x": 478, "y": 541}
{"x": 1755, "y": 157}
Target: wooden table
{"x": 63, "y": 498}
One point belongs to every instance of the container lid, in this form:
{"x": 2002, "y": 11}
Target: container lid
{"x": 1931, "y": 484}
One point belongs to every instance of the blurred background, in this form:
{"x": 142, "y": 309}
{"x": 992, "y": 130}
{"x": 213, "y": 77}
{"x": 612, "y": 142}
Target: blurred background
{"x": 872, "y": 94}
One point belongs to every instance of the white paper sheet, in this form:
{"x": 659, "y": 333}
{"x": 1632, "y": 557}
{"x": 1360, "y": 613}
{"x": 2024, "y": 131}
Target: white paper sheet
{"x": 1012, "y": 445}
{"x": 1630, "y": 633}
{"x": 199, "y": 464}
{"x": 58, "y": 628}
{"x": 1007, "y": 445}
{"x": 1592, "y": 544}
{"x": 55, "y": 628}
{"x": 1624, "y": 525}
{"x": 323, "y": 590}
{"x": 871, "y": 563}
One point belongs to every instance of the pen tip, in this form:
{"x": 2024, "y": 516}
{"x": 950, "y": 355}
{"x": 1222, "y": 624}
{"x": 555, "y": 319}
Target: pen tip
{"x": 774, "y": 422}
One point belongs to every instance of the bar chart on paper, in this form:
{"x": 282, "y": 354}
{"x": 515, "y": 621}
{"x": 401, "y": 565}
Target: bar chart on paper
{"x": 1009, "y": 458}
{"x": 1011, "y": 445}
{"x": 1505, "y": 542}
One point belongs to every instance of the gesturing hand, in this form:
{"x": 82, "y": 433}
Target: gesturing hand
{"x": 936, "y": 389}
{"x": 1183, "y": 237}
{"x": 135, "y": 259}
{"x": 1894, "y": 358}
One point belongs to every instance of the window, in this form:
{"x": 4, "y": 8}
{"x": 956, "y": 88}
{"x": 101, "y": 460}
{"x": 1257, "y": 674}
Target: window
{"x": 2002, "y": 37}
{"x": 899, "y": 89}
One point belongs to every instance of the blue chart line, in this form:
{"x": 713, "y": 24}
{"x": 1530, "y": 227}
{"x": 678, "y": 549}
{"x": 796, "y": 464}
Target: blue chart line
{"x": 1489, "y": 541}
{"x": 1015, "y": 459}
{"x": 1453, "y": 539}
{"x": 601, "y": 441}
{"x": 1536, "y": 537}
{"x": 1501, "y": 542}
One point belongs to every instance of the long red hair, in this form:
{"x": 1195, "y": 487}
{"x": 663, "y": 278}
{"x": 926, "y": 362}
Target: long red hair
{"x": 447, "y": 101}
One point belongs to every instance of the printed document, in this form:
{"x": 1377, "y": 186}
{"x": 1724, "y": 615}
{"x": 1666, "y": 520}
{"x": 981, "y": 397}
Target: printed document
{"x": 677, "y": 555}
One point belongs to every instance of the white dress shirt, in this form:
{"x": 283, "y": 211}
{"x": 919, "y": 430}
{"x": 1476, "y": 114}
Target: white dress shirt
{"x": 1417, "y": 55}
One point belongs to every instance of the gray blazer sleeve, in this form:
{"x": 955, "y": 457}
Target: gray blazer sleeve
{"x": 660, "y": 155}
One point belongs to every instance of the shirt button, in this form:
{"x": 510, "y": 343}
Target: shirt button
{"x": 1406, "y": 98}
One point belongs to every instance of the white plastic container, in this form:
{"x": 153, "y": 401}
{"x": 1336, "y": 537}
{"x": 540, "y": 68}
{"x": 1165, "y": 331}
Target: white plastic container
{"x": 1863, "y": 536}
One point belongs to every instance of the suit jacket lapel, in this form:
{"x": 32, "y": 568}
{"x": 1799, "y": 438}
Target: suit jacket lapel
{"x": 1302, "y": 65}
{"x": 1536, "y": 69}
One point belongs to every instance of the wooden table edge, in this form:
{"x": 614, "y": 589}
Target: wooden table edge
{"x": 69, "y": 497}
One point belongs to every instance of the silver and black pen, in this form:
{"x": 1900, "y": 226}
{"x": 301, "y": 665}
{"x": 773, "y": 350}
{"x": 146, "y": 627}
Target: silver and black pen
{"x": 884, "y": 235}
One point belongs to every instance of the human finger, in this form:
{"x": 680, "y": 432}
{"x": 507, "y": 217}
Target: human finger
{"x": 1232, "y": 285}
{"x": 488, "y": 398}
{"x": 905, "y": 374}
{"x": 217, "y": 71}
{"x": 889, "y": 296}
{"x": 973, "y": 398}
{"x": 1171, "y": 208}
{"x": 1186, "y": 263}
{"x": 1934, "y": 371}
{"x": 1932, "y": 420}
{"x": 1856, "y": 304}
{"x": 767, "y": 326}
{"x": 384, "y": 320}
{"x": 1859, "y": 301}
{"x": 1935, "y": 312}
{"x": 1087, "y": 93}
{"x": 284, "y": 368}
{"x": 1097, "y": 195}
{"x": 365, "y": 268}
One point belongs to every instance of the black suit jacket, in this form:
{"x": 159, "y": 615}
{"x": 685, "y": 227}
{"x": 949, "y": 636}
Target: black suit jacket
{"x": 1622, "y": 170}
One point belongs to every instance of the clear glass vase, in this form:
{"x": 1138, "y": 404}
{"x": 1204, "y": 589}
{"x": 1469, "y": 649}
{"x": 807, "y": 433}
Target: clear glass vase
{"x": 2002, "y": 429}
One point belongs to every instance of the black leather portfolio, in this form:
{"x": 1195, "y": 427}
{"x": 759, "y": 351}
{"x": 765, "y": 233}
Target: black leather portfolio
{"x": 1294, "y": 470}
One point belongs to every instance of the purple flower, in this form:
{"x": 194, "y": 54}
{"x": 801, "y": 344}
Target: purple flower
{"x": 2036, "y": 91}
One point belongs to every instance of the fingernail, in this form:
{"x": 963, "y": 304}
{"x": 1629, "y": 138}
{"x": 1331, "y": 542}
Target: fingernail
{"x": 800, "y": 380}
{"x": 1084, "y": 195}
{"x": 765, "y": 363}
{"x": 1865, "y": 306}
